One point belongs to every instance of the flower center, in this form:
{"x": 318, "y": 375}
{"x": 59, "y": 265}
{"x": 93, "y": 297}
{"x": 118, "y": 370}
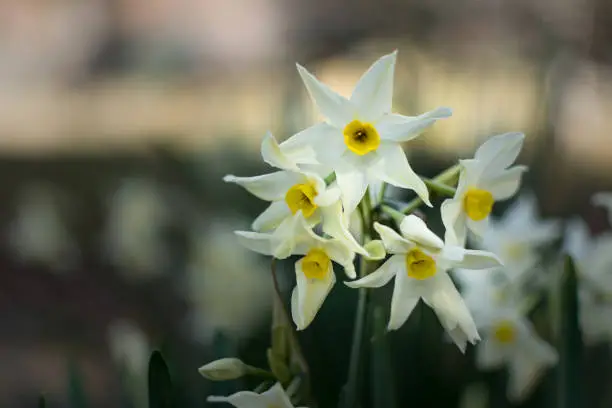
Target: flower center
{"x": 315, "y": 264}
{"x": 477, "y": 203}
{"x": 420, "y": 265}
{"x": 504, "y": 332}
{"x": 301, "y": 197}
{"x": 361, "y": 138}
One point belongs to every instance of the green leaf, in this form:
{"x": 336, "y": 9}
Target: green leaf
{"x": 569, "y": 338}
{"x": 76, "y": 391}
{"x": 160, "y": 386}
{"x": 42, "y": 403}
{"x": 381, "y": 374}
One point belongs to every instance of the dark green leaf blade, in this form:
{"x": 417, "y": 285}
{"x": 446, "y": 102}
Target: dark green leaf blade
{"x": 569, "y": 340}
{"x": 160, "y": 385}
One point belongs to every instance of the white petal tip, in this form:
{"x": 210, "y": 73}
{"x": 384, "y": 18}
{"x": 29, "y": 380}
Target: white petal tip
{"x": 444, "y": 112}
{"x": 229, "y": 178}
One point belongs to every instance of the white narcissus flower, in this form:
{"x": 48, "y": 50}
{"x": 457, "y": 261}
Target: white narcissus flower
{"x": 483, "y": 181}
{"x": 360, "y": 139}
{"x": 517, "y": 236}
{"x": 419, "y": 263}
{"x": 314, "y": 271}
{"x": 509, "y": 339}
{"x": 291, "y": 190}
{"x": 275, "y": 397}
{"x": 593, "y": 259}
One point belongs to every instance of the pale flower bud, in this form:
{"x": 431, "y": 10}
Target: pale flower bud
{"x": 224, "y": 369}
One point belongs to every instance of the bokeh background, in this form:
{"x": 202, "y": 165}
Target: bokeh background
{"x": 118, "y": 119}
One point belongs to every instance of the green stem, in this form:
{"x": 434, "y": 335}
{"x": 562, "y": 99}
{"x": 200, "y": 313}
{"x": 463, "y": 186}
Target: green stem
{"x": 350, "y": 397}
{"x": 448, "y": 176}
{"x": 381, "y": 194}
{"x": 439, "y": 188}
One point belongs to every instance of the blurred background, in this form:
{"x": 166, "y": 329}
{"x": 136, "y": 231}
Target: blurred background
{"x": 118, "y": 119}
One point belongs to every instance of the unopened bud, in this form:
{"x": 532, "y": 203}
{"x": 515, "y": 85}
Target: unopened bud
{"x": 224, "y": 369}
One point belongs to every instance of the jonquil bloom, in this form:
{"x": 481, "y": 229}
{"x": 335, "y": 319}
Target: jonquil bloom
{"x": 483, "y": 181}
{"x": 291, "y": 190}
{"x": 419, "y": 262}
{"x": 313, "y": 271}
{"x": 360, "y": 139}
{"x": 509, "y": 339}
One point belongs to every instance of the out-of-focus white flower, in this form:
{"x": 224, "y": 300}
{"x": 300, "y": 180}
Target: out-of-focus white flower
{"x": 130, "y": 350}
{"x": 604, "y": 199}
{"x": 419, "y": 263}
{"x": 290, "y": 191}
{"x": 483, "y": 180}
{"x": 275, "y": 397}
{"x": 314, "y": 271}
{"x": 517, "y": 236}
{"x": 129, "y": 346}
{"x": 132, "y": 237}
{"x": 224, "y": 369}
{"x": 228, "y": 287}
{"x": 509, "y": 339}
{"x": 38, "y": 234}
{"x": 593, "y": 259}
{"x": 360, "y": 139}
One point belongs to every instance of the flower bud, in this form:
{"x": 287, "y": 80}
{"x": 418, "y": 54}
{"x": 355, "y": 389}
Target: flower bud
{"x": 224, "y": 369}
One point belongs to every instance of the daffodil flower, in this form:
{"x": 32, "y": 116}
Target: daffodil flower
{"x": 291, "y": 190}
{"x": 483, "y": 181}
{"x": 314, "y": 271}
{"x": 419, "y": 263}
{"x": 517, "y": 236}
{"x": 275, "y": 397}
{"x": 509, "y": 339}
{"x": 360, "y": 139}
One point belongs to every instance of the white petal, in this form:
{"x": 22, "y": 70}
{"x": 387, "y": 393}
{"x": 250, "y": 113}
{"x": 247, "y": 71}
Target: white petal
{"x": 310, "y": 294}
{"x": 478, "y": 227}
{"x": 453, "y": 219}
{"x": 328, "y": 197}
{"x": 274, "y": 156}
{"x": 405, "y": 296}
{"x": 353, "y": 184}
{"x": 381, "y": 276}
{"x": 415, "y": 229}
{"x": 373, "y": 93}
{"x": 394, "y": 242}
{"x": 295, "y": 237}
{"x": 393, "y": 168}
{"x": 527, "y": 366}
{"x": 334, "y": 225}
{"x": 489, "y": 355}
{"x": 342, "y": 255}
{"x": 277, "y": 397}
{"x": 242, "y": 399}
{"x": 255, "y": 241}
{"x": 476, "y": 259}
{"x": 450, "y": 308}
{"x": 506, "y": 184}
{"x": 399, "y": 128}
{"x": 269, "y": 187}
{"x": 318, "y": 144}
{"x": 272, "y": 216}
{"x": 336, "y": 108}
{"x": 500, "y": 150}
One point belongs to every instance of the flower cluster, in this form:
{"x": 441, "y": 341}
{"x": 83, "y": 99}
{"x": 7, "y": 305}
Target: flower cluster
{"x": 322, "y": 180}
